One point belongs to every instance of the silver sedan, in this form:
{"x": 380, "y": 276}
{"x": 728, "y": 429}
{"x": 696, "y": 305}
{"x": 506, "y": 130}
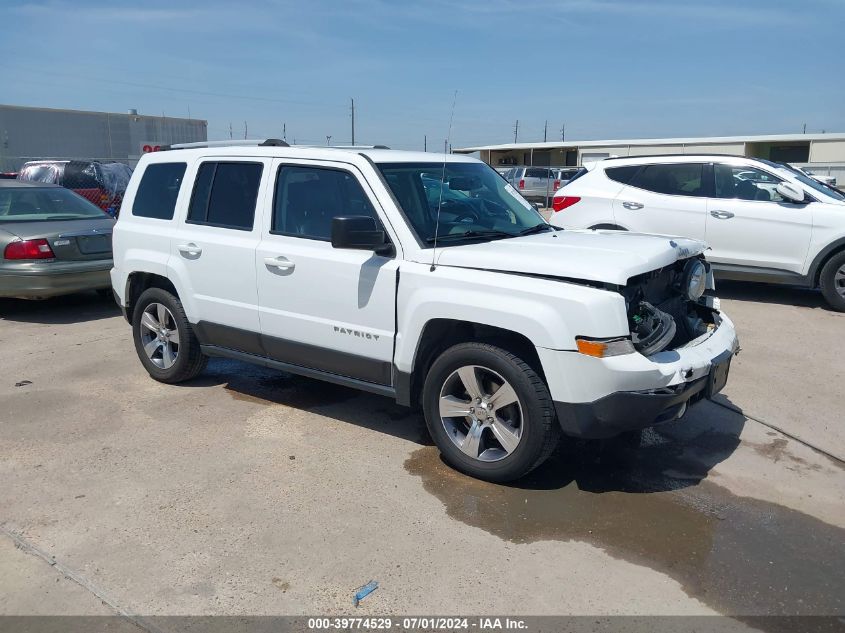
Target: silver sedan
{"x": 52, "y": 240}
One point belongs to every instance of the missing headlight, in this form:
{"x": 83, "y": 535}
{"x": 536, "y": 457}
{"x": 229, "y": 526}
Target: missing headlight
{"x": 652, "y": 329}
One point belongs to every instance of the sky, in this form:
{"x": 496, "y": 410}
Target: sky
{"x": 604, "y": 69}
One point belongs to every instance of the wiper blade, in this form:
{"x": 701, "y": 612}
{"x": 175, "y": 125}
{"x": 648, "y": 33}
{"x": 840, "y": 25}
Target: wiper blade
{"x": 470, "y": 235}
{"x": 537, "y": 228}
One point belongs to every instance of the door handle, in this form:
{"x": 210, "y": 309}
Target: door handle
{"x": 282, "y": 263}
{"x": 190, "y": 250}
{"x": 722, "y": 215}
{"x": 633, "y": 206}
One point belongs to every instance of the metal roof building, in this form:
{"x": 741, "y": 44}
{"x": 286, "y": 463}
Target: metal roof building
{"x": 43, "y": 133}
{"x": 824, "y": 153}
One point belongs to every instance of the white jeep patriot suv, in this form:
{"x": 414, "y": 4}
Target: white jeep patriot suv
{"x": 323, "y": 262}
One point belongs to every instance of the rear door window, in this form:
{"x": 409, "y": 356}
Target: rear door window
{"x": 674, "y": 179}
{"x": 225, "y": 194}
{"x": 623, "y": 174}
{"x": 158, "y": 190}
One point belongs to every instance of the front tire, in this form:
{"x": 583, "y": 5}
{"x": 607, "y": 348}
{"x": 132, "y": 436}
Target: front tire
{"x": 832, "y": 282}
{"x": 489, "y": 413}
{"x": 164, "y": 339}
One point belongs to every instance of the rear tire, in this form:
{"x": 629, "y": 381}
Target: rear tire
{"x": 832, "y": 282}
{"x": 504, "y": 424}
{"x": 164, "y": 340}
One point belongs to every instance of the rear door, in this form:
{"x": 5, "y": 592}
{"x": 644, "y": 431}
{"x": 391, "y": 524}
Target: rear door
{"x": 750, "y": 224}
{"x": 324, "y": 308}
{"x": 665, "y": 198}
{"x": 213, "y": 250}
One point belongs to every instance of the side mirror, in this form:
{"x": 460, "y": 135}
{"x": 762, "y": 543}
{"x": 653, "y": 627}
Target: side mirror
{"x": 359, "y": 232}
{"x": 790, "y": 192}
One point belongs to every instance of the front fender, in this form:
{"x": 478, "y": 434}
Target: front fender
{"x": 548, "y": 312}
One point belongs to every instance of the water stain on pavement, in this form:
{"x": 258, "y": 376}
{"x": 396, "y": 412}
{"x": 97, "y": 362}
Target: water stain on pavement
{"x": 738, "y": 555}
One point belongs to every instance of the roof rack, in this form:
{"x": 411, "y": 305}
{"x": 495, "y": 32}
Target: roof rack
{"x": 270, "y": 142}
{"x": 673, "y": 155}
{"x": 343, "y": 146}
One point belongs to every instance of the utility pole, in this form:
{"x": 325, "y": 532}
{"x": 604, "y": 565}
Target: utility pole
{"x": 353, "y": 119}
{"x": 516, "y": 131}
{"x": 328, "y": 139}
{"x": 284, "y": 131}
{"x": 445, "y": 142}
{"x": 245, "y": 130}
{"x": 563, "y": 132}
{"x": 230, "y": 129}
{"x": 425, "y": 142}
{"x": 805, "y": 128}
{"x": 545, "y": 131}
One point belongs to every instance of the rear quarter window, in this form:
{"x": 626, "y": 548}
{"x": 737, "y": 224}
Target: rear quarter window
{"x": 158, "y": 190}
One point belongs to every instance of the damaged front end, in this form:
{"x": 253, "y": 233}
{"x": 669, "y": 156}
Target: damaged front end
{"x": 668, "y": 308}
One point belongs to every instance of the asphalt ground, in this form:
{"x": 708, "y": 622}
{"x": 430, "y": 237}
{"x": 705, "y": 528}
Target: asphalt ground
{"x": 249, "y": 492}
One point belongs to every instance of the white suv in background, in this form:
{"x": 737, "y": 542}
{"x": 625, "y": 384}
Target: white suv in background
{"x": 322, "y": 262}
{"x": 763, "y": 221}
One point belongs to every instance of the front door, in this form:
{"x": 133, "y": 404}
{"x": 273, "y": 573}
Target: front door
{"x": 750, "y": 224}
{"x": 320, "y": 307}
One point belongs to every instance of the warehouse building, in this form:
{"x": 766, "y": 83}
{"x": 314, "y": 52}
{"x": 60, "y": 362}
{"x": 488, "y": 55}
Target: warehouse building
{"x": 821, "y": 153}
{"x": 43, "y": 133}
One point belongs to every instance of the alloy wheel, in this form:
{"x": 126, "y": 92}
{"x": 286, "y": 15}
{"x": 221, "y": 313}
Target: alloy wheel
{"x": 839, "y": 281}
{"x": 159, "y": 335}
{"x": 481, "y": 413}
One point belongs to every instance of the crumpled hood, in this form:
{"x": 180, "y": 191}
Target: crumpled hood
{"x": 600, "y": 256}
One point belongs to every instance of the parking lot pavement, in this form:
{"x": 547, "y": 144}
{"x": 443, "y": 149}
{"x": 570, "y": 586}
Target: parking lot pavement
{"x": 793, "y": 358}
{"x": 248, "y": 491}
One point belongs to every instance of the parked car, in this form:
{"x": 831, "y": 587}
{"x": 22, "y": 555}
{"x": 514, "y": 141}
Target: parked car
{"x": 53, "y": 242}
{"x": 763, "y": 221}
{"x": 8, "y": 175}
{"x": 322, "y": 262}
{"x": 538, "y": 183}
{"x": 830, "y": 181}
{"x": 101, "y": 183}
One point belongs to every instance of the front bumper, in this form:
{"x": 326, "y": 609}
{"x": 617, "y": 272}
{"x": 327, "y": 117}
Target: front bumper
{"x": 50, "y": 279}
{"x": 597, "y": 398}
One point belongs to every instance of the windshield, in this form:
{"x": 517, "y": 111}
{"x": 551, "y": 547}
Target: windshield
{"x": 806, "y": 180}
{"x": 475, "y": 202}
{"x": 36, "y": 204}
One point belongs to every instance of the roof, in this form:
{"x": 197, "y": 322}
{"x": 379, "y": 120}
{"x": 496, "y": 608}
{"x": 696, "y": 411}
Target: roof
{"x": 699, "y": 140}
{"x": 252, "y": 148}
{"x": 24, "y": 183}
